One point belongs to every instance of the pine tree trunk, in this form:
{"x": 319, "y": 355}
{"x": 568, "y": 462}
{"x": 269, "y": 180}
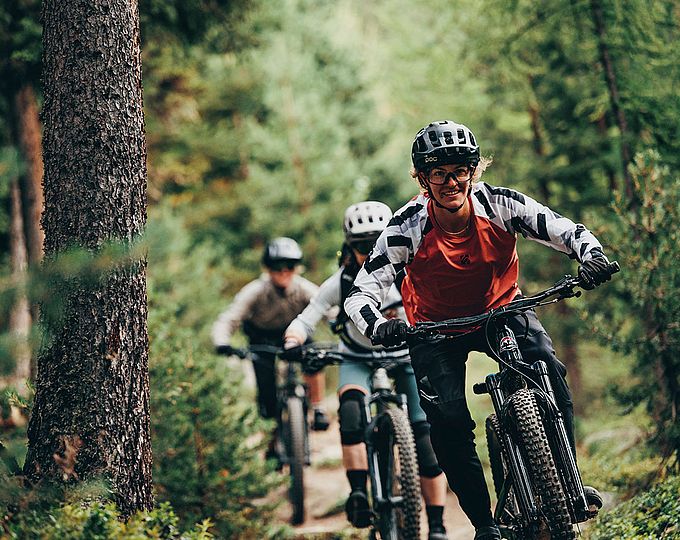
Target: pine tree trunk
{"x": 28, "y": 133}
{"x": 91, "y": 412}
{"x": 614, "y": 99}
{"x": 20, "y": 315}
{"x": 30, "y": 141}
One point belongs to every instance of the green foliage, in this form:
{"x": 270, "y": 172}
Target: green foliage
{"x": 206, "y": 437}
{"x": 654, "y": 515}
{"x": 101, "y": 521}
{"x": 646, "y": 310}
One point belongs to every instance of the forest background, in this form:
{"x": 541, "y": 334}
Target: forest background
{"x": 267, "y": 119}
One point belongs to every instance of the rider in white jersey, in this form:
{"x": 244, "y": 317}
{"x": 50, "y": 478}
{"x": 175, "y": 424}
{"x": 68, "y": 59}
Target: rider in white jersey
{"x": 362, "y": 225}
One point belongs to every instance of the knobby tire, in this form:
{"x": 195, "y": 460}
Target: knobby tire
{"x": 545, "y": 479}
{"x": 396, "y": 447}
{"x": 296, "y": 457}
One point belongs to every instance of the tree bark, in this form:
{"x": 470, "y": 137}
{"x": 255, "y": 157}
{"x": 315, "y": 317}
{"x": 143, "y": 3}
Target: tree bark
{"x": 91, "y": 412}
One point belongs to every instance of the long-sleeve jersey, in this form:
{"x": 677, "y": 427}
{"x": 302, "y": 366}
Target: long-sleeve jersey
{"x": 266, "y": 308}
{"x": 453, "y": 276}
{"x": 328, "y": 297}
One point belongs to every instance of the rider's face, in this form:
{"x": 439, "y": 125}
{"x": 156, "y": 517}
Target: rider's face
{"x": 282, "y": 278}
{"x": 360, "y": 257}
{"x": 449, "y": 184}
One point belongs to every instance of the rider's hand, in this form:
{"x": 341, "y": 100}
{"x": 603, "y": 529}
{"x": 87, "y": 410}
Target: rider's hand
{"x": 389, "y": 333}
{"x": 594, "y": 272}
{"x": 290, "y": 342}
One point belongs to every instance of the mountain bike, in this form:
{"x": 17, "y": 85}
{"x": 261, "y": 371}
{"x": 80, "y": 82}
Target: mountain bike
{"x": 292, "y": 430}
{"x": 390, "y": 446}
{"x": 536, "y": 479}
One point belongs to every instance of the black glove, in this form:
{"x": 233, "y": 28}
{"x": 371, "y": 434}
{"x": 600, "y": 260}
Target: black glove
{"x": 228, "y": 350}
{"x": 594, "y": 272}
{"x": 390, "y": 333}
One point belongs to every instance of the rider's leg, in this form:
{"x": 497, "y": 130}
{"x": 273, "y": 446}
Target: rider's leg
{"x": 452, "y": 436}
{"x": 265, "y": 378}
{"x": 432, "y": 478}
{"x": 317, "y": 387}
{"x": 351, "y": 417}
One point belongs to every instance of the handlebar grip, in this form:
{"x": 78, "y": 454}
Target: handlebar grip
{"x": 480, "y": 388}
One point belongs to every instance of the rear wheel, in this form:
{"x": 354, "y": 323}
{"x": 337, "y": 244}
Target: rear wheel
{"x": 398, "y": 467}
{"x": 545, "y": 479}
{"x": 293, "y": 420}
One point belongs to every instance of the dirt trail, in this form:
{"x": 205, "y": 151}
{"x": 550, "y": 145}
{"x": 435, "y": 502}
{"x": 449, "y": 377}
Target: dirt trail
{"x": 326, "y": 489}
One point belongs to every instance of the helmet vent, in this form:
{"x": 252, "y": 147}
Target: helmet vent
{"x": 448, "y": 137}
{"x": 461, "y": 136}
{"x": 433, "y": 138}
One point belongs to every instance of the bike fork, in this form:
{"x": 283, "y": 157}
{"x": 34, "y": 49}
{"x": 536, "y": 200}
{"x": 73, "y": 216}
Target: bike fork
{"x": 565, "y": 456}
{"x": 518, "y": 472}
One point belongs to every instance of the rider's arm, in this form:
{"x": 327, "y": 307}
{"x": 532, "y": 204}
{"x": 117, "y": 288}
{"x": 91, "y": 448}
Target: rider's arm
{"x": 393, "y": 250}
{"x": 230, "y": 320}
{"x": 537, "y": 222}
{"x": 326, "y": 297}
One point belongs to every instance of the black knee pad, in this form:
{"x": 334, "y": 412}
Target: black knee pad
{"x": 427, "y": 461}
{"x": 351, "y": 415}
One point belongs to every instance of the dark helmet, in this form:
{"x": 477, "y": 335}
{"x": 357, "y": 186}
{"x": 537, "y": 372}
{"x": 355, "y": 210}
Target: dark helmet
{"x": 444, "y": 143}
{"x": 281, "y": 249}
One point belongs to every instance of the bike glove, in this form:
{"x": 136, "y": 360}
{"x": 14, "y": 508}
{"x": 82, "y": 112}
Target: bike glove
{"x": 594, "y": 272}
{"x": 390, "y": 333}
{"x": 228, "y": 350}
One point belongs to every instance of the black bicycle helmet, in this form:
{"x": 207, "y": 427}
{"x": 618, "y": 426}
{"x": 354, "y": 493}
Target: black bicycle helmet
{"x": 444, "y": 143}
{"x": 281, "y": 249}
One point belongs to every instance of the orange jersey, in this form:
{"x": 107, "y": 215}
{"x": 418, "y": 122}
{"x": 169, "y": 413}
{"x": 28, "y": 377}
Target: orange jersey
{"x": 454, "y": 276}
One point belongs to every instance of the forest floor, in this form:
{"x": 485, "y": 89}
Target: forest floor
{"x": 326, "y": 489}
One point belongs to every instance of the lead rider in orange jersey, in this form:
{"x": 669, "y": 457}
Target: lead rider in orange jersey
{"x": 456, "y": 242}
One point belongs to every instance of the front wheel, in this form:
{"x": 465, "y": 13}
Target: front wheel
{"x": 531, "y": 438}
{"x": 398, "y": 515}
{"x": 293, "y": 421}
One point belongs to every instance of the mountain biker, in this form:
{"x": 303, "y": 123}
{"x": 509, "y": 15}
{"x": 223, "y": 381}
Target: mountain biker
{"x": 264, "y": 308}
{"x": 363, "y": 222}
{"x": 456, "y": 242}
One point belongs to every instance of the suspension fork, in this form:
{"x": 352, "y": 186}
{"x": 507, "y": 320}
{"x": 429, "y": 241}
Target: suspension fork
{"x": 578, "y": 506}
{"x": 510, "y": 354}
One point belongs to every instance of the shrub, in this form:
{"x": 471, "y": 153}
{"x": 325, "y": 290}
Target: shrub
{"x": 654, "y": 515}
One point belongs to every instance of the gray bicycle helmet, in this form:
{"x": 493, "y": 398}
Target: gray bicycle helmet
{"x": 444, "y": 143}
{"x": 282, "y": 249}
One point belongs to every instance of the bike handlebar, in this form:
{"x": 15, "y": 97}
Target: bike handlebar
{"x": 563, "y": 288}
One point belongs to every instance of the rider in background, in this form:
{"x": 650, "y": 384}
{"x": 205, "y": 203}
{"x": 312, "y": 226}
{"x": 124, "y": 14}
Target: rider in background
{"x": 264, "y": 308}
{"x": 363, "y": 223}
{"x": 456, "y": 242}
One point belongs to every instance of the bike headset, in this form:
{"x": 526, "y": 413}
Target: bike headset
{"x": 444, "y": 143}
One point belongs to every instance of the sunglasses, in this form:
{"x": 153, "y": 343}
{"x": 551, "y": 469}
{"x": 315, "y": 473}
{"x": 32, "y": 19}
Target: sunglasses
{"x": 363, "y": 247}
{"x": 440, "y": 177}
{"x": 278, "y": 266}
